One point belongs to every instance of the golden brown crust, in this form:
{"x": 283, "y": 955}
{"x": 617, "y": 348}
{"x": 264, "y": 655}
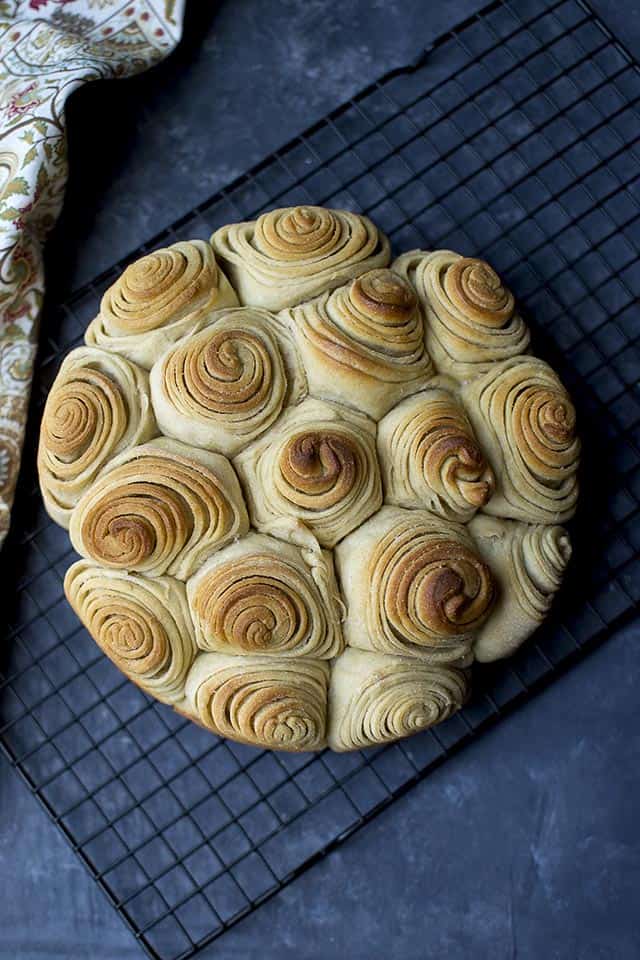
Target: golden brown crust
{"x": 160, "y": 287}
{"x": 265, "y": 597}
{"x": 98, "y": 407}
{"x": 279, "y": 704}
{"x": 474, "y": 288}
{"x": 225, "y": 385}
{"x": 430, "y": 457}
{"x": 294, "y": 253}
{"x": 326, "y": 405}
{"x": 438, "y": 588}
{"x": 158, "y": 299}
{"x": 317, "y": 466}
{"x": 413, "y": 585}
{"x": 470, "y": 317}
{"x": 159, "y": 508}
{"x": 363, "y": 344}
{"x": 143, "y": 625}
{"x": 527, "y": 425}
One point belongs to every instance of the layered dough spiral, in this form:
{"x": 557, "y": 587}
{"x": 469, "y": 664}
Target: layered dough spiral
{"x": 528, "y": 562}
{"x": 277, "y": 704}
{"x": 526, "y": 423}
{"x": 470, "y": 317}
{"x": 225, "y": 385}
{"x": 142, "y": 624}
{"x": 413, "y": 585}
{"x": 429, "y": 457}
{"x": 158, "y": 299}
{"x": 262, "y": 596}
{"x": 363, "y": 344}
{"x": 317, "y": 466}
{"x": 294, "y": 253}
{"x": 97, "y": 407}
{"x": 159, "y": 508}
{"x": 375, "y": 698}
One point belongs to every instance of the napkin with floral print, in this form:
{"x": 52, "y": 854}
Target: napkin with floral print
{"x": 47, "y": 49}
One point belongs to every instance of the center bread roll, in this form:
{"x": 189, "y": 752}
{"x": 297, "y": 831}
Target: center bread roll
{"x": 317, "y": 466}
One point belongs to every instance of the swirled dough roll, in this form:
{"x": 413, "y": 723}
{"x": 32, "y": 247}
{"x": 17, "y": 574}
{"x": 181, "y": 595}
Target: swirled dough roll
{"x": 375, "y": 698}
{"x": 429, "y": 457}
{"x": 292, "y": 254}
{"x": 162, "y": 507}
{"x": 318, "y": 465}
{"x": 158, "y": 299}
{"x": 363, "y": 344}
{"x": 142, "y": 624}
{"x": 277, "y": 704}
{"x": 222, "y": 387}
{"x": 528, "y": 562}
{"x": 414, "y": 585}
{"x": 526, "y": 424}
{"x": 97, "y": 407}
{"x": 470, "y": 317}
{"x": 261, "y": 596}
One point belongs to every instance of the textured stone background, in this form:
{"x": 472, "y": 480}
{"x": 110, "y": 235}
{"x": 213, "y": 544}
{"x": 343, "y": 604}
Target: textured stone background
{"x": 526, "y": 844}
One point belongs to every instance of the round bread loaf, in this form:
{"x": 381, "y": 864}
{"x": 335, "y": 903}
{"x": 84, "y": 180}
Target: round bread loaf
{"x": 309, "y": 488}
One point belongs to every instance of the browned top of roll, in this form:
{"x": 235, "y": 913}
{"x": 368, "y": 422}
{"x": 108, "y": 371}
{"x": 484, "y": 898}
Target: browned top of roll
{"x": 320, "y": 468}
{"x": 157, "y": 288}
{"x": 477, "y": 290}
{"x": 296, "y": 233}
{"x": 443, "y": 585}
{"x": 383, "y": 295}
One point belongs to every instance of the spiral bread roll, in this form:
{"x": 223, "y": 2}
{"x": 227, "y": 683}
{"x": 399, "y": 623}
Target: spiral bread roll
{"x": 375, "y": 698}
{"x": 470, "y": 317}
{"x": 162, "y": 507}
{"x": 261, "y": 596}
{"x": 429, "y": 457}
{"x": 222, "y": 387}
{"x": 529, "y": 562}
{"x": 526, "y": 423}
{"x": 363, "y": 344}
{"x": 158, "y": 299}
{"x": 292, "y": 254}
{"x": 97, "y": 407}
{"x": 277, "y": 704}
{"x": 142, "y": 624}
{"x": 317, "y": 466}
{"x": 413, "y": 585}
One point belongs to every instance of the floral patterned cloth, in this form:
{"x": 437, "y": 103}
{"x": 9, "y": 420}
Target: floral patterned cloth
{"x": 47, "y": 49}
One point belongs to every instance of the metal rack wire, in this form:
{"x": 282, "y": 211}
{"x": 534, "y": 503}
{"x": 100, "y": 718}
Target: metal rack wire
{"x": 514, "y": 137}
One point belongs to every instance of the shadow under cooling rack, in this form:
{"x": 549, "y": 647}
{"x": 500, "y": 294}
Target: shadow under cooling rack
{"x": 515, "y": 138}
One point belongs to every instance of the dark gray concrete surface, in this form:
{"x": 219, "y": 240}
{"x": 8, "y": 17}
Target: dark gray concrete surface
{"x": 524, "y": 845}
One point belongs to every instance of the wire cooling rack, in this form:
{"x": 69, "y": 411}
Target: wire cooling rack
{"x": 515, "y": 137}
